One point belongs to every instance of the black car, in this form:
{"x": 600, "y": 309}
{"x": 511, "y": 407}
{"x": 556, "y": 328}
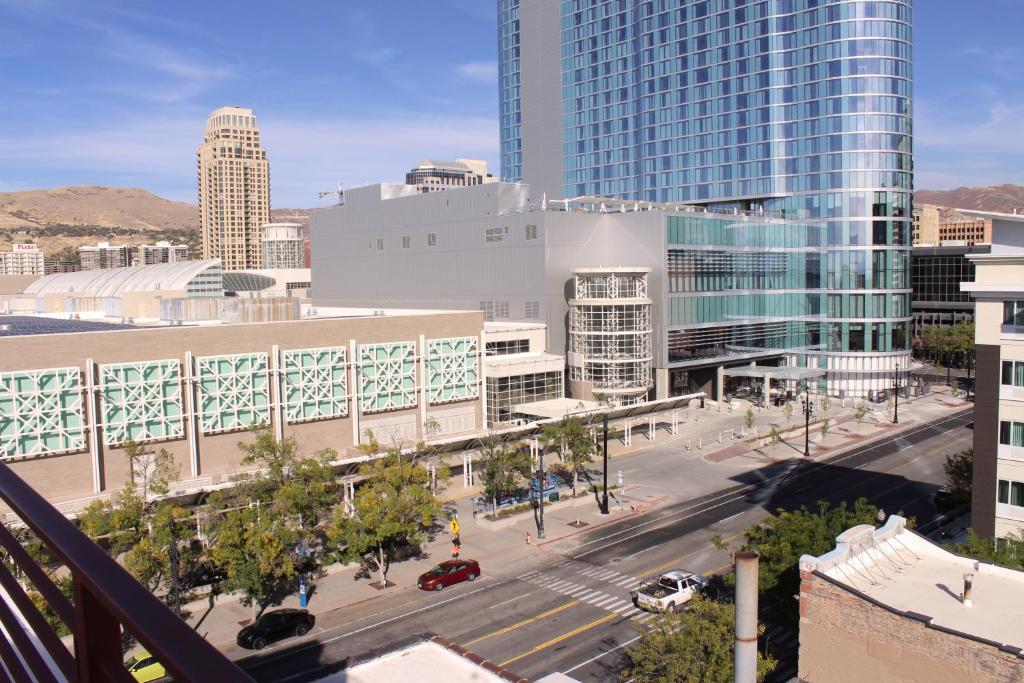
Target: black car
{"x": 946, "y": 498}
{"x": 275, "y": 625}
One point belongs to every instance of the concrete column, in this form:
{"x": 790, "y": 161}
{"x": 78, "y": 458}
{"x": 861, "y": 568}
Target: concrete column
{"x": 276, "y": 395}
{"x": 482, "y": 375}
{"x": 745, "y": 651}
{"x": 92, "y": 414}
{"x": 675, "y": 423}
{"x": 191, "y": 414}
{"x": 652, "y": 423}
{"x": 423, "y": 387}
{"x": 662, "y": 383}
{"x": 720, "y": 383}
{"x": 353, "y": 383}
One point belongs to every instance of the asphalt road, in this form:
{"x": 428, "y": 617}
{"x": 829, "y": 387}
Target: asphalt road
{"x": 570, "y": 611}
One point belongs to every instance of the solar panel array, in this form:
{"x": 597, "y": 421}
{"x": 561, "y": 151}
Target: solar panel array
{"x": 20, "y": 325}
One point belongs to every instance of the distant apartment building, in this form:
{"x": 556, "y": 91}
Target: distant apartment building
{"x": 51, "y": 266}
{"x": 997, "y": 500}
{"x": 23, "y": 259}
{"x": 430, "y": 176}
{"x": 935, "y": 226}
{"x": 283, "y": 246}
{"x": 105, "y": 255}
{"x": 161, "y": 252}
{"x": 926, "y": 225}
{"x": 234, "y": 189}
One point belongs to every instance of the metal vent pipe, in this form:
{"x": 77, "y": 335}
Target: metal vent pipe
{"x": 745, "y": 651}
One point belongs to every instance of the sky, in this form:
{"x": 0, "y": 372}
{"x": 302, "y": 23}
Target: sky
{"x": 117, "y": 92}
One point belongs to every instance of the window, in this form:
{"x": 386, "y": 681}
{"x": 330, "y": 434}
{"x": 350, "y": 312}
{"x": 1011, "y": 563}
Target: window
{"x": 1011, "y": 433}
{"x": 504, "y": 348}
{"x": 406, "y": 241}
{"x": 494, "y": 234}
{"x": 380, "y": 244}
{"x": 532, "y": 310}
{"x": 1013, "y": 313}
{"x": 431, "y": 239}
{"x": 531, "y": 232}
{"x": 1013, "y": 373}
{"x": 1011, "y": 492}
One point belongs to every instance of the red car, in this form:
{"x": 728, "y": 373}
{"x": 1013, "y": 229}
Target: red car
{"x": 447, "y": 573}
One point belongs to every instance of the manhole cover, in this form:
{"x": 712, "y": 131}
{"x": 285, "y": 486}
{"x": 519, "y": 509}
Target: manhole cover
{"x": 615, "y": 560}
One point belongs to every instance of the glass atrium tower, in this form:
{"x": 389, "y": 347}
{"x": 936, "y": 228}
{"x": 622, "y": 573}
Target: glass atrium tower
{"x": 799, "y": 109}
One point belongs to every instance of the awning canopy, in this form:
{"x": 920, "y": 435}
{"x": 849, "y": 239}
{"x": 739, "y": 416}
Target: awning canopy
{"x": 774, "y": 372}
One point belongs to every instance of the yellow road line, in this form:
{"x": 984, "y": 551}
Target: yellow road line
{"x": 676, "y": 561}
{"x": 522, "y": 623}
{"x": 564, "y": 636}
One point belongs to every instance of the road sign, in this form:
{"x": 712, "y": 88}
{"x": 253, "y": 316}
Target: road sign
{"x": 455, "y": 526}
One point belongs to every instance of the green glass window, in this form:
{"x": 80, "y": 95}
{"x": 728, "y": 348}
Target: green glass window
{"x": 41, "y": 411}
{"x": 387, "y": 376}
{"x": 141, "y": 401}
{"x": 453, "y": 369}
{"x": 314, "y": 383}
{"x": 233, "y": 391}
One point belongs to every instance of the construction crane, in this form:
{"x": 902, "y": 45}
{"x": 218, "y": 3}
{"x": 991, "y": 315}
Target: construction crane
{"x": 340, "y": 192}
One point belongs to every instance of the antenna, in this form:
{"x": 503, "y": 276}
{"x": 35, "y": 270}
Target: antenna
{"x": 340, "y": 192}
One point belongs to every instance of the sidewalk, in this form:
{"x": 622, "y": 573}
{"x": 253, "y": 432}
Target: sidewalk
{"x": 503, "y": 552}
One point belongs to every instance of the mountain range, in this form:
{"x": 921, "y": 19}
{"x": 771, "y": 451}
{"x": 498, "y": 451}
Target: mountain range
{"x": 64, "y": 218}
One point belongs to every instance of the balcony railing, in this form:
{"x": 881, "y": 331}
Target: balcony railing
{"x": 106, "y": 599}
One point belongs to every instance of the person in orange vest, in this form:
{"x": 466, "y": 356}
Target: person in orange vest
{"x": 456, "y": 547}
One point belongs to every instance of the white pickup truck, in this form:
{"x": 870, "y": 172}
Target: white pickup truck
{"x": 668, "y": 592}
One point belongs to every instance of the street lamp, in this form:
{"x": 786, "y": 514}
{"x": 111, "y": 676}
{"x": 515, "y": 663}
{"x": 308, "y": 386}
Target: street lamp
{"x": 808, "y": 411}
{"x": 540, "y": 492}
{"x": 604, "y": 502}
{"x": 896, "y": 395}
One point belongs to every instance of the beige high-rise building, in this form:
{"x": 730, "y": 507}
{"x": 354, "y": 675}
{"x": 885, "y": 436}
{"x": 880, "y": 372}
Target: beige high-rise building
{"x": 926, "y": 225}
{"x": 234, "y": 189}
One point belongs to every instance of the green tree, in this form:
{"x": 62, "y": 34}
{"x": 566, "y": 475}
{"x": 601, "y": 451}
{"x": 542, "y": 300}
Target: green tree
{"x": 784, "y": 536}
{"x": 275, "y": 457}
{"x": 392, "y": 508}
{"x": 860, "y": 413}
{"x": 748, "y": 419}
{"x": 572, "y": 439}
{"x": 825, "y": 427}
{"x": 960, "y": 474}
{"x": 695, "y": 646}
{"x": 310, "y": 490}
{"x": 1008, "y": 551}
{"x": 774, "y": 438}
{"x": 788, "y": 410}
{"x": 149, "y": 560}
{"x": 503, "y": 468}
{"x": 254, "y": 547}
{"x": 151, "y": 471}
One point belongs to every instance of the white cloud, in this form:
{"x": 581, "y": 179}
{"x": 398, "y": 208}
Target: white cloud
{"x": 483, "y": 72}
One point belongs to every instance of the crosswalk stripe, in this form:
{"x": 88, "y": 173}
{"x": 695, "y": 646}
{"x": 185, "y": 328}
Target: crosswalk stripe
{"x": 589, "y": 593}
{"x": 577, "y": 591}
{"x": 608, "y": 599}
{"x": 606, "y": 575}
{"x": 560, "y": 583}
{"x": 626, "y": 581}
{"x": 623, "y": 608}
{"x": 527, "y": 575}
{"x": 590, "y": 572}
{"x": 597, "y": 597}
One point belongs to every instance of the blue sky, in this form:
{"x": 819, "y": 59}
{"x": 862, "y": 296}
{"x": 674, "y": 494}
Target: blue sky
{"x": 118, "y": 92}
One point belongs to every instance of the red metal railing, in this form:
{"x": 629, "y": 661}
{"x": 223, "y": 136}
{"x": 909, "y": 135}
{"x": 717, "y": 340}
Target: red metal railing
{"x": 106, "y": 598}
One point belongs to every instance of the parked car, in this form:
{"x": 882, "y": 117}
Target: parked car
{"x": 945, "y": 497}
{"x": 143, "y": 667}
{"x": 275, "y": 625}
{"x": 203, "y": 574}
{"x": 448, "y": 573}
{"x": 668, "y": 592}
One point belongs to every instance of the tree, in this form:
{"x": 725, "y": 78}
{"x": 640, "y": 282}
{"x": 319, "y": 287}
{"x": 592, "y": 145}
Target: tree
{"x": 960, "y": 474}
{"x": 572, "y": 439}
{"x": 1007, "y": 551}
{"x": 860, "y": 413}
{"x": 825, "y": 427}
{"x": 151, "y": 471}
{"x": 254, "y": 547}
{"x": 275, "y": 456}
{"x": 392, "y": 508}
{"x": 788, "y": 410}
{"x": 784, "y": 536}
{"x": 774, "y": 438}
{"x": 310, "y": 489}
{"x": 748, "y": 419}
{"x": 692, "y": 646}
{"x": 503, "y": 468}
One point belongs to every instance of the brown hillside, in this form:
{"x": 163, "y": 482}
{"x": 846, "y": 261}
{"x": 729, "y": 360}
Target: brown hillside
{"x": 1004, "y": 198}
{"x": 95, "y": 205}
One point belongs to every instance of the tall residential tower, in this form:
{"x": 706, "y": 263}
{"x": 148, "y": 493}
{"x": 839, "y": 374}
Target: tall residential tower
{"x": 799, "y": 109}
{"x": 234, "y": 189}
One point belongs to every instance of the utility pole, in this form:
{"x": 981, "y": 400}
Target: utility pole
{"x": 808, "y": 410}
{"x": 604, "y": 504}
{"x": 540, "y": 492}
{"x": 896, "y": 397}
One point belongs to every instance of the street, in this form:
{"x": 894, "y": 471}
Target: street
{"x": 565, "y": 606}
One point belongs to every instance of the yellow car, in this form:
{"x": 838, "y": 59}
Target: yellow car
{"x": 143, "y": 667}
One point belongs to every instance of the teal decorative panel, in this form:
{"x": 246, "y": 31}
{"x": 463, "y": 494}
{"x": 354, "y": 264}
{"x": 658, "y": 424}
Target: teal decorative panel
{"x": 387, "y": 376}
{"x": 315, "y": 383}
{"x": 453, "y": 369}
{"x": 141, "y": 401}
{"x": 234, "y": 392}
{"x": 41, "y": 411}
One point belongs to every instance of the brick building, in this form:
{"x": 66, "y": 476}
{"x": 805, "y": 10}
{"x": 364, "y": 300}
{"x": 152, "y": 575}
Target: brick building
{"x": 887, "y": 605}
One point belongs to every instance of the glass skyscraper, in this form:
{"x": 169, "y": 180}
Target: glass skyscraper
{"x": 799, "y": 109}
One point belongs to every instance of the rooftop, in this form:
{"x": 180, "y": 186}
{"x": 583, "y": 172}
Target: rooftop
{"x": 557, "y": 407}
{"x": 20, "y": 325}
{"x": 114, "y": 282}
{"x": 907, "y": 573}
{"x": 429, "y": 661}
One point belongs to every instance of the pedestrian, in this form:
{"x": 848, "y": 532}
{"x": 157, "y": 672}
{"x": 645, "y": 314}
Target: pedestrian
{"x": 529, "y": 539}
{"x": 455, "y": 551}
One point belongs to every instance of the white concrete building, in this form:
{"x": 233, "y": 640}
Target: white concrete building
{"x": 23, "y": 259}
{"x": 283, "y": 246}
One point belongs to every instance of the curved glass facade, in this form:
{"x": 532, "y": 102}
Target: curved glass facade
{"x": 797, "y": 108}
